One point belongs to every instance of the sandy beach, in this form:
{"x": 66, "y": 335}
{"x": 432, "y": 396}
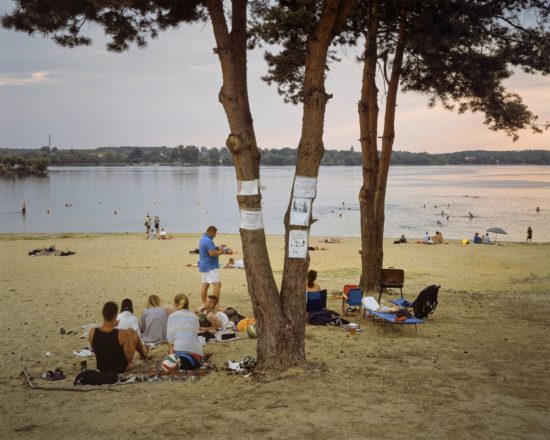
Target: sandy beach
{"x": 478, "y": 368}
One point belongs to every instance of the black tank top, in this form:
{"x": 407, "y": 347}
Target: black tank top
{"x": 109, "y": 354}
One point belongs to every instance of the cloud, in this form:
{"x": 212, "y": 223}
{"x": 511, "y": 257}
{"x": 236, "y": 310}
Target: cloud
{"x": 23, "y": 79}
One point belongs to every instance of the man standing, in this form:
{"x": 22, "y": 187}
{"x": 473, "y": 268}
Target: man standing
{"x": 209, "y": 262}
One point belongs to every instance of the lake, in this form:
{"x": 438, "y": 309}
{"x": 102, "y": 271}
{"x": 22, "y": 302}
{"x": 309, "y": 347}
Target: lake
{"x": 188, "y": 199}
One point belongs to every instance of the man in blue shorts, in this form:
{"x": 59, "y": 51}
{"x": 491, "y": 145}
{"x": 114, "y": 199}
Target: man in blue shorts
{"x": 209, "y": 262}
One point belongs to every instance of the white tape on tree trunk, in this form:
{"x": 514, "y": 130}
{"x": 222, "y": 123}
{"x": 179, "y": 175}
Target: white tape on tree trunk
{"x": 247, "y": 187}
{"x": 252, "y": 220}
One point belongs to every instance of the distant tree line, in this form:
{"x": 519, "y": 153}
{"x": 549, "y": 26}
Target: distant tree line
{"x": 35, "y": 161}
{"x": 23, "y": 165}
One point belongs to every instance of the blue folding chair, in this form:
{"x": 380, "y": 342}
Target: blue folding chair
{"x": 352, "y": 299}
{"x": 316, "y": 301}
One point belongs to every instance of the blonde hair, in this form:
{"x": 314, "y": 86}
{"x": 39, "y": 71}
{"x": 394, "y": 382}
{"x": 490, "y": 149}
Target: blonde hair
{"x": 181, "y": 301}
{"x": 153, "y": 301}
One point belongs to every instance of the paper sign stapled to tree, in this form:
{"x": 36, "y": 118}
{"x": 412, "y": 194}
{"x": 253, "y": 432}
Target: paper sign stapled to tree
{"x": 297, "y": 243}
{"x": 305, "y": 187}
{"x": 252, "y": 220}
{"x": 247, "y": 187}
{"x": 300, "y": 211}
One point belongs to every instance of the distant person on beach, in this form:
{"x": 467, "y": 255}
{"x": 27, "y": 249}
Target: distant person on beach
{"x": 402, "y": 239}
{"x": 529, "y": 235}
{"x": 126, "y": 318}
{"x": 24, "y": 208}
{"x": 427, "y": 238}
{"x": 437, "y": 238}
{"x": 232, "y": 264}
{"x": 311, "y": 285}
{"x": 182, "y": 334}
{"x": 538, "y": 209}
{"x": 157, "y": 224}
{"x": 152, "y": 234}
{"x": 162, "y": 234}
{"x": 153, "y": 321}
{"x": 147, "y": 224}
{"x": 486, "y": 239}
{"x": 470, "y": 215}
{"x": 209, "y": 262}
{"x": 477, "y": 238}
{"x": 114, "y": 348}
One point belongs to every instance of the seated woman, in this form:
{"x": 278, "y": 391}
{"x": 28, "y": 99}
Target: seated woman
{"x": 153, "y": 322}
{"x": 311, "y": 285}
{"x": 114, "y": 348}
{"x": 437, "y": 238}
{"x": 126, "y": 318}
{"x": 182, "y": 334}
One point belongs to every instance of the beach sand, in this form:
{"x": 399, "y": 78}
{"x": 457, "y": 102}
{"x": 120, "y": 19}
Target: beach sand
{"x": 478, "y": 368}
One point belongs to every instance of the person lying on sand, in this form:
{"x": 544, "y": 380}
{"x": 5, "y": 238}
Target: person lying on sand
{"x": 232, "y": 264}
{"x": 114, "y": 348}
{"x": 330, "y": 240}
{"x": 43, "y": 251}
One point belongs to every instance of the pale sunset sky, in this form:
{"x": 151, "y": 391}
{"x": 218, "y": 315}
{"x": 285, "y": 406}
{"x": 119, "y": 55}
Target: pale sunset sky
{"x": 166, "y": 94}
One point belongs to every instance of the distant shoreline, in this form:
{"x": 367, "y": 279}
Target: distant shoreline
{"x": 191, "y": 155}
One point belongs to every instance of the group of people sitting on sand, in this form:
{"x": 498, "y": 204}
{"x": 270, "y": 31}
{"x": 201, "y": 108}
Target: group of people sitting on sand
{"x": 115, "y": 342}
{"x": 434, "y": 239}
{"x": 482, "y": 240}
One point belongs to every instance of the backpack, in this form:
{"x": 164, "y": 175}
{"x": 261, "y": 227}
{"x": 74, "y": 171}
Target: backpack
{"x": 426, "y": 302}
{"x": 320, "y": 317}
{"x": 94, "y": 377}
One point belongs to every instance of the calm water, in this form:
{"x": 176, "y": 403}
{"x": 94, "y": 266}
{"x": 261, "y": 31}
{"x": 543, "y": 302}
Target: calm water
{"x": 188, "y": 199}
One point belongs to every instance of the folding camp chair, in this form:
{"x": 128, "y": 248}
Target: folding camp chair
{"x": 316, "y": 301}
{"x": 372, "y": 307}
{"x": 352, "y": 298}
{"x": 391, "y": 279}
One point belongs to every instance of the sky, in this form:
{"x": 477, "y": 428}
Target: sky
{"x": 167, "y": 94}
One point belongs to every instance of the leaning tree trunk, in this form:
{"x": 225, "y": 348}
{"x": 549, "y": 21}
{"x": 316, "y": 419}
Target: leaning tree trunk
{"x": 371, "y": 252}
{"x": 310, "y": 152}
{"x": 372, "y": 198}
{"x": 262, "y": 288}
{"x": 280, "y": 318}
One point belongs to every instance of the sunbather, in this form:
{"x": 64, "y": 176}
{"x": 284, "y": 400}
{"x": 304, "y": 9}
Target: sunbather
{"x": 153, "y": 322}
{"x": 114, "y": 348}
{"x": 182, "y": 334}
{"x": 311, "y": 285}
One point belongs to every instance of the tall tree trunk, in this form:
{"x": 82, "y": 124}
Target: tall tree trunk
{"x": 371, "y": 253}
{"x": 262, "y": 288}
{"x": 310, "y": 151}
{"x": 280, "y": 318}
{"x": 375, "y": 169}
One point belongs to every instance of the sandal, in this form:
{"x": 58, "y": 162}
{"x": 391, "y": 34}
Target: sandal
{"x": 57, "y": 374}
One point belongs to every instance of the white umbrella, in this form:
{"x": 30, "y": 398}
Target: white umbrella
{"x": 497, "y": 231}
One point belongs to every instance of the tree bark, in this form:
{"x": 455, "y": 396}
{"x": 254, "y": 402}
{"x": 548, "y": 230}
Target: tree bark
{"x": 371, "y": 253}
{"x": 280, "y": 317}
{"x": 375, "y": 169}
{"x": 310, "y": 151}
{"x": 262, "y": 289}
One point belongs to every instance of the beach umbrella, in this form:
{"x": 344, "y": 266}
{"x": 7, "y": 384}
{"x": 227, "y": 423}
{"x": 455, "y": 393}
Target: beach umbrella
{"x": 497, "y": 231}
